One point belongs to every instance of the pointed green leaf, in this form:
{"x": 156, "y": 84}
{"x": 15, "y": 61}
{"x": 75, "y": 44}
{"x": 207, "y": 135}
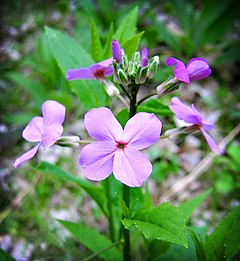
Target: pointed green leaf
{"x": 130, "y": 46}
{"x": 107, "y": 52}
{"x": 224, "y": 242}
{"x": 188, "y": 207}
{"x": 96, "y": 193}
{"x": 97, "y": 53}
{"x": 127, "y": 28}
{"x": 4, "y": 256}
{"x": 165, "y": 223}
{"x": 93, "y": 240}
{"x": 71, "y": 55}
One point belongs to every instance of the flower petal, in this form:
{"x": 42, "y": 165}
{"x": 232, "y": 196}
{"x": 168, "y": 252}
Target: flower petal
{"x": 80, "y": 73}
{"x": 108, "y": 71}
{"x": 51, "y": 134}
{"x": 185, "y": 112}
{"x": 106, "y": 63}
{"x": 131, "y": 167}
{"x": 102, "y": 125}
{"x": 142, "y": 130}
{"x": 116, "y": 51}
{"x": 198, "y": 68}
{"x": 26, "y": 156}
{"x": 211, "y": 142}
{"x": 33, "y": 131}
{"x": 97, "y": 160}
{"x": 53, "y": 113}
{"x": 180, "y": 70}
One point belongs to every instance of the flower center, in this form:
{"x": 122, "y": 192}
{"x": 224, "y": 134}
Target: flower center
{"x": 121, "y": 145}
{"x": 99, "y": 73}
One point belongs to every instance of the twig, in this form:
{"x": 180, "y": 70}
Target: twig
{"x": 202, "y": 166}
{"x": 17, "y": 200}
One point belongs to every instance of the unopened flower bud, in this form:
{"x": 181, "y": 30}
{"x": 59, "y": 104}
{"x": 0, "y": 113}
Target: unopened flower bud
{"x": 122, "y": 77}
{"x": 68, "y": 141}
{"x": 142, "y": 76}
{"x": 111, "y": 89}
{"x": 144, "y": 61}
{"x": 136, "y": 57}
{"x": 124, "y": 62}
{"x": 168, "y": 86}
{"x": 153, "y": 64}
{"x": 116, "y": 51}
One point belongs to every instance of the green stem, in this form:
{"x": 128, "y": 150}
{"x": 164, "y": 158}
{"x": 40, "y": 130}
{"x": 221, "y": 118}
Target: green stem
{"x": 126, "y": 189}
{"x": 103, "y": 250}
{"x": 110, "y": 212}
{"x": 146, "y": 97}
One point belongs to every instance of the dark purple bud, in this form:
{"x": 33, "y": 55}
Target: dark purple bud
{"x": 144, "y": 61}
{"x": 116, "y": 51}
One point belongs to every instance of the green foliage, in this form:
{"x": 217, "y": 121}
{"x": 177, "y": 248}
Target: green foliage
{"x": 223, "y": 243}
{"x": 188, "y": 207}
{"x": 165, "y": 223}
{"x": 70, "y": 55}
{"x": 94, "y": 191}
{"x": 130, "y": 46}
{"x": 93, "y": 240}
{"x": 5, "y": 256}
{"x": 97, "y": 53}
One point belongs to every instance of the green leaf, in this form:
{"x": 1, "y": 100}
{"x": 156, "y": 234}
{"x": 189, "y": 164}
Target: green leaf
{"x": 199, "y": 245}
{"x": 130, "y": 46}
{"x": 187, "y": 208}
{"x": 155, "y": 106}
{"x": 96, "y": 43}
{"x": 96, "y": 193}
{"x": 165, "y": 223}
{"x": 71, "y": 55}
{"x": 224, "y": 242}
{"x": 123, "y": 116}
{"x": 107, "y": 52}
{"x": 4, "y": 256}
{"x": 127, "y": 28}
{"x": 93, "y": 240}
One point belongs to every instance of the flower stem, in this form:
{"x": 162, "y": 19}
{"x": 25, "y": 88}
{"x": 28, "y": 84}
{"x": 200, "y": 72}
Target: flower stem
{"x": 146, "y": 97}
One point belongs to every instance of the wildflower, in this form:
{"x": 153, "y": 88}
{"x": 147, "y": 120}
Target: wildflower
{"x": 196, "y": 69}
{"x": 45, "y": 130}
{"x": 144, "y": 61}
{"x": 97, "y": 71}
{"x": 117, "y": 150}
{"x": 191, "y": 115}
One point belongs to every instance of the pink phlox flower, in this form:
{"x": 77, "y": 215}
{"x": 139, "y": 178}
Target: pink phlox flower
{"x": 117, "y": 150}
{"x": 45, "y": 130}
{"x": 97, "y": 71}
{"x": 191, "y": 115}
{"x": 196, "y": 69}
{"x": 144, "y": 54}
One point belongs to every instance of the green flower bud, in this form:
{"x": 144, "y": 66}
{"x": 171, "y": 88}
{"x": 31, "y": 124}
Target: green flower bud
{"x": 122, "y": 77}
{"x": 136, "y": 58}
{"x": 124, "y": 62}
{"x": 68, "y": 141}
{"x": 153, "y": 64}
{"x": 168, "y": 86}
{"x": 142, "y": 75}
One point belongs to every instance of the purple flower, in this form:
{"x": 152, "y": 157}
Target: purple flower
{"x": 97, "y": 71}
{"x": 190, "y": 114}
{"x": 117, "y": 150}
{"x": 116, "y": 51}
{"x": 144, "y": 61}
{"x": 44, "y": 130}
{"x": 196, "y": 69}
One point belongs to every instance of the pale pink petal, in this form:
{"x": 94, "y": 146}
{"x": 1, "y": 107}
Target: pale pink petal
{"x": 97, "y": 159}
{"x": 180, "y": 70}
{"x": 185, "y": 112}
{"x": 131, "y": 167}
{"x": 211, "y": 142}
{"x": 33, "y": 131}
{"x": 142, "y": 130}
{"x": 106, "y": 63}
{"x": 80, "y": 73}
{"x": 51, "y": 134}
{"x": 198, "y": 68}
{"x": 26, "y": 156}
{"x": 53, "y": 112}
{"x": 102, "y": 125}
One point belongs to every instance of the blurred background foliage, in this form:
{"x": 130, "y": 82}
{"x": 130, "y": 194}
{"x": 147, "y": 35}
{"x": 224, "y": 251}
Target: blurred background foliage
{"x": 30, "y": 74}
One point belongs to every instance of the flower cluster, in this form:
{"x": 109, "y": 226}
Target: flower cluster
{"x": 135, "y": 71}
{"x": 117, "y": 150}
